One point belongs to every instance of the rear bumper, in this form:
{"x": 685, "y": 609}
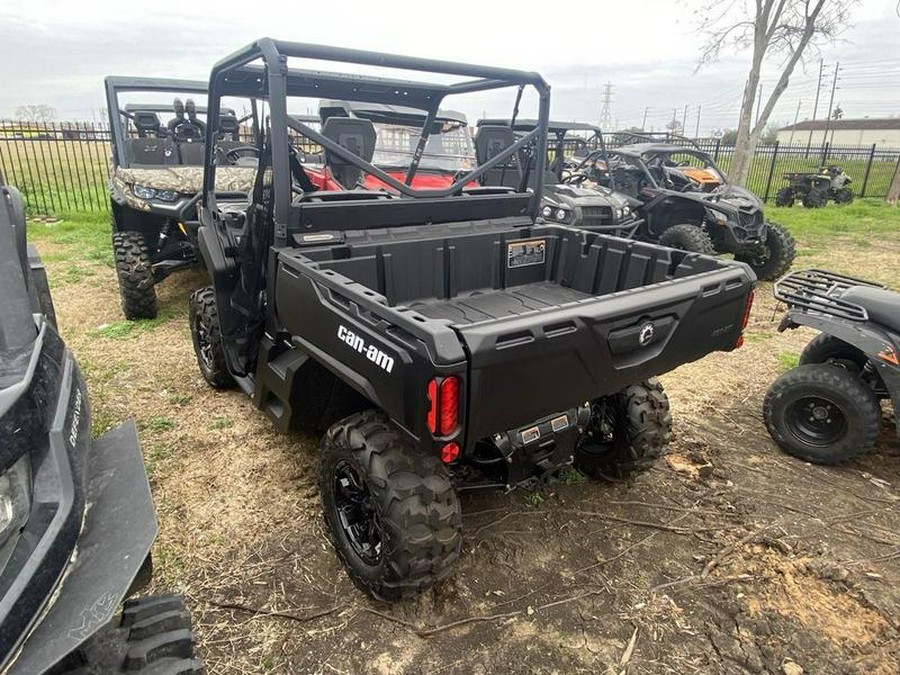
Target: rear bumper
{"x": 117, "y": 532}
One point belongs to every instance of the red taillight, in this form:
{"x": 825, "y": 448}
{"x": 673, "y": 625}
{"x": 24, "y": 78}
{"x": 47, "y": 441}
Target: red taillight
{"x": 443, "y": 406}
{"x": 450, "y": 452}
{"x": 747, "y": 309}
{"x": 740, "y": 339}
{"x": 432, "y": 406}
{"x": 449, "y": 405}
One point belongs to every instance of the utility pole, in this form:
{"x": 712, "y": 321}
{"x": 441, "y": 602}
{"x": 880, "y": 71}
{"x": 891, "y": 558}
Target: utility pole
{"x": 815, "y": 106}
{"x": 684, "y": 120}
{"x": 796, "y": 117}
{"x": 697, "y": 132}
{"x": 837, "y": 68}
{"x": 644, "y": 121}
{"x": 606, "y": 111}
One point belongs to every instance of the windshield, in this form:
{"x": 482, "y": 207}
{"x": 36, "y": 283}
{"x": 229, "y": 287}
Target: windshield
{"x": 696, "y": 166}
{"x": 451, "y": 149}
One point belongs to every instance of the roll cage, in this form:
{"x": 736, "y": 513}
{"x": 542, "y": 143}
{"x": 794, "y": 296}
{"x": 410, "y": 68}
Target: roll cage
{"x": 274, "y": 81}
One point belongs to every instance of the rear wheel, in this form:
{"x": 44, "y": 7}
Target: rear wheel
{"x": 392, "y": 513}
{"x": 843, "y": 195}
{"x": 207, "y": 338}
{"x": 815, "y": 198}
{"x": 627, "y": 431}
{"x": 687, "y": 237}
{"x": 822, "y": 413}
{"x": 773, "y": 258}
{"x": 784, "y": 197}
{"x": 135, "y": 275}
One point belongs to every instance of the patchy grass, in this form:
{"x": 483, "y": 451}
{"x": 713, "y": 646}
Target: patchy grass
{"x": 76, "y": 236}
{"x": 221, "y": 423}
{"x": 121, "y": 330}
{"x": 158, "y": 424}
{"x": 787, "y": 360}
{"x": 864, "y": 218}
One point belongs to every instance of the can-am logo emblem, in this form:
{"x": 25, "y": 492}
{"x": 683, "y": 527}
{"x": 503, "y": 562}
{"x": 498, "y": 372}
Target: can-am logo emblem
{"x": 76, "y": 419}
{"x": 648, "y": 330}
{"x": 371, "y": 352}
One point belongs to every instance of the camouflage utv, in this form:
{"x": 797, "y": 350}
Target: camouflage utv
{"x": 158, "y": 137}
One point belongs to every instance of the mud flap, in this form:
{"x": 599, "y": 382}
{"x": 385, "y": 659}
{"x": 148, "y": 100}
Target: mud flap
{"x": 118, "y": 531}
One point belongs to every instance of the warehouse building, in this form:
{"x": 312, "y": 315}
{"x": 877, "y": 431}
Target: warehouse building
{"x": 882, "y": 132}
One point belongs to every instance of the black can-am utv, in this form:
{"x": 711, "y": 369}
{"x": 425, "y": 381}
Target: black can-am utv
{"x": 76, "y": 515}
{"x": 446, "y": 339}
{"x": 815, "y": 189}
{"x": 828, "y": 408}
{"x": 158, "y": 136}
{"x": 571, "y": 197}
{"x": 686, "y": 203}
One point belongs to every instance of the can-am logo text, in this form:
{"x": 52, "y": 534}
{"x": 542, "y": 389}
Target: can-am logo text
{"x": 371, "y": 352}
{"x": 76, "y": 419}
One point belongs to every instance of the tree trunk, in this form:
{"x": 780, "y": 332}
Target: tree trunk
{"x": 893, "y": 193}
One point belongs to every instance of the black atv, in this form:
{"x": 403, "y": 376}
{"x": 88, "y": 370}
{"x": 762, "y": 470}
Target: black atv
{"x": 76, "y": 515}
{"x": 571, "y": 197}
{"x": 815, "y": 189}
{"x": 828, "y": 408}
{"x": 445, "y": 339}
{"x": 686, "y": 203}
{"x": 156, "y": 177}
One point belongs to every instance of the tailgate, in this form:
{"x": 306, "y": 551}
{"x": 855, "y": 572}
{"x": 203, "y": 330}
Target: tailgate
{"x": 533, "y": 364}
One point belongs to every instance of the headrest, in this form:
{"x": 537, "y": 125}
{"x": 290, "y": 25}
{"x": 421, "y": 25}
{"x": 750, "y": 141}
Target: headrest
{"x": 354, "y": 134}
{"x": 145, "y": 120}
{"x": 491, "y": 140}
{"x": 228, "y": 124}
{"x": 178, "y": 107}
{"x": 190, "y": 108}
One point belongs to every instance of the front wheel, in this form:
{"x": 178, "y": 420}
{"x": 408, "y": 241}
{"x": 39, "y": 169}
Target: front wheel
{"x": 391, "y": 510}
{"x": 135, "y": 275}
{"x": 784, "y": 197}
{"x": 207, "y": 338}
{"x": 627, "y": 431}
{"x": 822, "y": 413}
{"x": 686, "y": 237}
{"x": 815, "y": 198}
{"x": 772, "y": 259}
{"x": 843, "y": 195}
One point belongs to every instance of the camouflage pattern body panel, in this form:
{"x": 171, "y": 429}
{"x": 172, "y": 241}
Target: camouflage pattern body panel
{"x": 182, "y": 179}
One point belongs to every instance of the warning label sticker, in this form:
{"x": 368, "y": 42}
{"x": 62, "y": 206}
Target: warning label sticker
{"x": 525, "y": 253}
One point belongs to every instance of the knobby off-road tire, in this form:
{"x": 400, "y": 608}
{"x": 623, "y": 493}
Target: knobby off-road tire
{"x": 636, "y": 430}
{"x": 688, "y": 238}
{"x": 776, "y": 256}
{"x": 136, "y": 285}
{"x": 784, "y": 197}
{"x": 815, "y": 198}
{"x": 843, "y": 195}
{"x": 822, "y": 413}
{"x": 392, "y": 513}
{"x": 153, "y": 638}
{"x": 207, "y": 338}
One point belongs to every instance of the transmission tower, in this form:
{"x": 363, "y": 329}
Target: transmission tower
{"x": 606, "y": 111}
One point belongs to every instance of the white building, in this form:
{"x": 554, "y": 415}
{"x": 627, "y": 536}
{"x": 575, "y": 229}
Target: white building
{"x": 882, "y": 132}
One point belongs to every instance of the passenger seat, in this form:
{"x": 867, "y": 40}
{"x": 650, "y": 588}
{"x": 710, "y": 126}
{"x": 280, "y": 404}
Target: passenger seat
{"x": 151, "y": 147}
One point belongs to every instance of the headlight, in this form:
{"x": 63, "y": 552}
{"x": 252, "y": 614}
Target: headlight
{"x": 142, "y": 192}
{"x": 15, "y": 505}
{"x": 626, "y": 210}
{"x": 718, "y": 217}
{"x": 561, "y": 214}
{"x": 166, "y": 195}
{"x": 620, "y": 213}
{"x": 546, "y": 212}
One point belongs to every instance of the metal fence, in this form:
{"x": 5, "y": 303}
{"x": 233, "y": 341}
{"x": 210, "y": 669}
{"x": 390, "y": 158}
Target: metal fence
{"x": 59, "y": 168}
{"x": 64, "y": 167}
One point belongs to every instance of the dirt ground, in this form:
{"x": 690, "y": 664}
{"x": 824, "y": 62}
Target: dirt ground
{"x": 726, "y": 557}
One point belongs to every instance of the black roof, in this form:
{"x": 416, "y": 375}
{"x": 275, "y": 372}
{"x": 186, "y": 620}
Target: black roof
{"x": 120, "y": 83}
{"x": 397, "y": 114}
{"x": 528, "y": 125}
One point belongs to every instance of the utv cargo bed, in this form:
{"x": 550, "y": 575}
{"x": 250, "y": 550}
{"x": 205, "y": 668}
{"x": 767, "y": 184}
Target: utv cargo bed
{"x": 539, "y": 318}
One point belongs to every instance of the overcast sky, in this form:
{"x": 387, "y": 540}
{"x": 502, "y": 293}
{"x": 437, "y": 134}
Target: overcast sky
{"x": 57, "y": 52}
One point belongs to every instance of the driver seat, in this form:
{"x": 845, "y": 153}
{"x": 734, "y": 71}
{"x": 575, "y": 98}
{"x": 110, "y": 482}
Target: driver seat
{"x": 354, "y": 134}
{"x": 883, "y": 306}
{"x": 228, "y": 128}
{"x": 490, "y": 141}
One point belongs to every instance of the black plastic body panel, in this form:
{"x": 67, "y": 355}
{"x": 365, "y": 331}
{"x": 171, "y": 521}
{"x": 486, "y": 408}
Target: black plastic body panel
{"x": 532, "y": 318}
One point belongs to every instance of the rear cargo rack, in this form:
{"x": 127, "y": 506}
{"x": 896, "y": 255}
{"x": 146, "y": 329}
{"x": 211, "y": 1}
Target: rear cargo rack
{"x": 820, "y": 291}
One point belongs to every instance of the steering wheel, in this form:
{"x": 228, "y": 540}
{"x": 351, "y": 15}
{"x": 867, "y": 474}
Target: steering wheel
{"x": 575, "y": 178}
{"x": 240, "y": 151}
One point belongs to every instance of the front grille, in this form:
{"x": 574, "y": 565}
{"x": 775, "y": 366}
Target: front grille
{"x": 596, "y": 216}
